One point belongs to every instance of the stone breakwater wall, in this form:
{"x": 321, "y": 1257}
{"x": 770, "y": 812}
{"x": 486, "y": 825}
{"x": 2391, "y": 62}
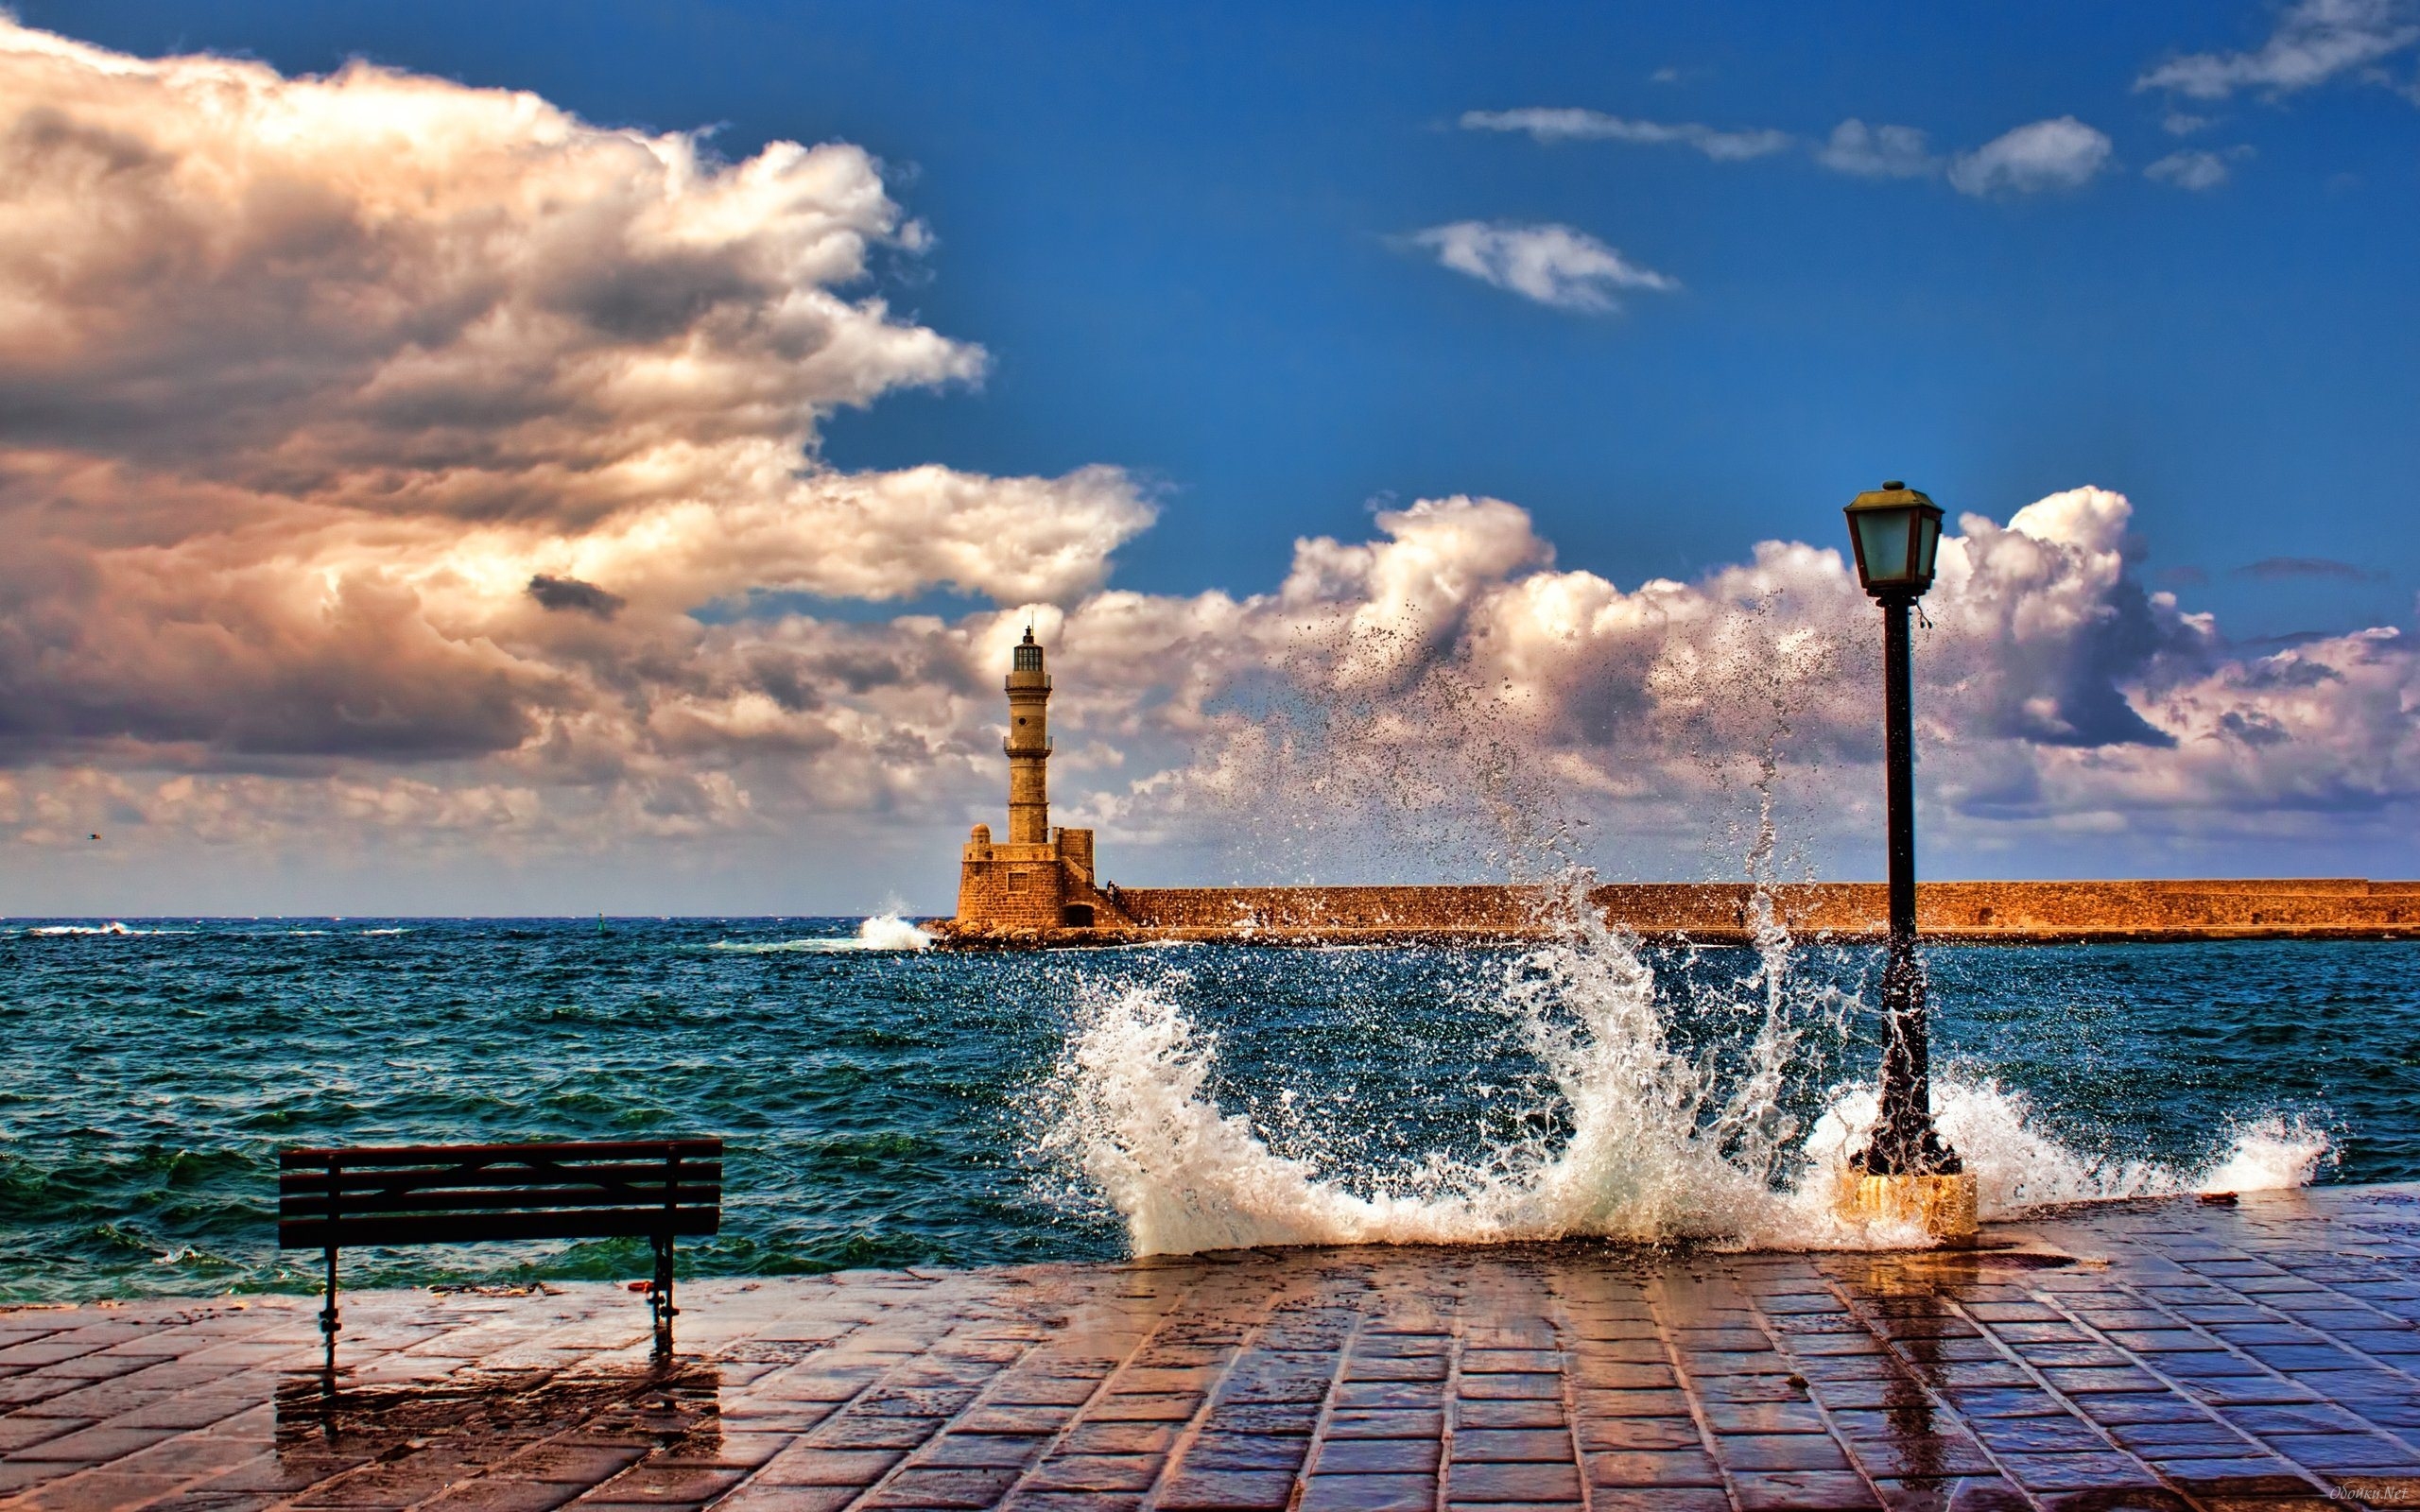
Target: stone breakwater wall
{"x": 2043, "y": 912}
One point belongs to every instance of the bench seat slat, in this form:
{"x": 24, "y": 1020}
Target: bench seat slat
{"x": 453, "y": 1154}
{"x": 366, "y": 1205}
{"x": 497, "y": 1174}
{"x": 464, "y": 1229}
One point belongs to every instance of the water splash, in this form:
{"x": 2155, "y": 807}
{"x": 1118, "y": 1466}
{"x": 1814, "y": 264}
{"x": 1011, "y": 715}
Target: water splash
{"x": 1725, "y": 1113}
{"x": 1627, "y": 1135}
{"x": 2018, "y": 1165}
{"x": 889, "y": 931}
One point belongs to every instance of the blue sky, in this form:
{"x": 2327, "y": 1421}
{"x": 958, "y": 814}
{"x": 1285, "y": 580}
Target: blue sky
{"x": 1179, "y": 232}
{"x": 435, "y": 498}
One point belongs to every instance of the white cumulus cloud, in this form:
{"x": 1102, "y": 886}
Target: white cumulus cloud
{"x": 1450, "y": 678}
{"x": 1551, "y": 263}
{"x": 2059, "y": 153}
{"x": 375, "y": 417}
{"x": 2315, "y": 40}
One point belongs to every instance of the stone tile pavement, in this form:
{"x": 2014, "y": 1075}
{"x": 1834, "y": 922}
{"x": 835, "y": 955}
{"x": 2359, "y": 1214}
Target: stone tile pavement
{"x": 2175, "y": 1354}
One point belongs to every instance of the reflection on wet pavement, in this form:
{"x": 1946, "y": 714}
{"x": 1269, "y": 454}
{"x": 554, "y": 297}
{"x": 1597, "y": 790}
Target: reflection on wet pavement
{"x": 2151, "y": 1355}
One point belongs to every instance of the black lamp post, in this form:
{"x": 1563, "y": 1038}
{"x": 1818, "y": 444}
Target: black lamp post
{"x": 1897, "y": 531}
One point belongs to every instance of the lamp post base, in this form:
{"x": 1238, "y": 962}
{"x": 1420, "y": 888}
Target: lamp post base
{"x": 1941, "y": 1205}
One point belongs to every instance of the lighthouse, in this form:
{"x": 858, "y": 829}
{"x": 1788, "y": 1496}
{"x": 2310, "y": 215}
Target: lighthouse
{"x": 1028, "y": 744}
{"x": 1036, "y": 879}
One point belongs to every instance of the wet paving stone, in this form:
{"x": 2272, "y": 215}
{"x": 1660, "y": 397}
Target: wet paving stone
{"x": 1369, "y": 1493}
{"x": 2167, "y": 1356}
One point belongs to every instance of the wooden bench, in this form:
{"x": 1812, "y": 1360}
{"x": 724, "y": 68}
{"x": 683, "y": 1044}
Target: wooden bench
{"x": 469, "y": 1193}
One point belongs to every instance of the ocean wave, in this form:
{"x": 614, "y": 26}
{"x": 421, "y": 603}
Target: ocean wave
{"x": 112, "y": 927}
{"x": 883, "y": 932}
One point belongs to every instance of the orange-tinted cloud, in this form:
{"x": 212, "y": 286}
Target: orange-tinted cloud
{"x": 304, "y": 383}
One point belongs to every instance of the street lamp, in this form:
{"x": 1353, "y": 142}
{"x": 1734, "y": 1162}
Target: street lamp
{"x": 1907, "y": 1173}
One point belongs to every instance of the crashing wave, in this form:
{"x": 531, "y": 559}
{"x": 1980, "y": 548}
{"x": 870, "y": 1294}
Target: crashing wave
{"x": 1655, "y": 1146}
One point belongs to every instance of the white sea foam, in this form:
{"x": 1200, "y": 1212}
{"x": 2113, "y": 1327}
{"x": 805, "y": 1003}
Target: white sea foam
{"x": 1656, "y": 1146}
{"x": 2269, "y": 1155}
{"x": 2016, "y": 1165}
{"x": 883, "y": 932}
{"x": 112, "y": 927}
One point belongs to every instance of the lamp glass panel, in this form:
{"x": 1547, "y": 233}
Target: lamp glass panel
{"x": 1927, "y": 544}
{"x": 1882, "y": 545}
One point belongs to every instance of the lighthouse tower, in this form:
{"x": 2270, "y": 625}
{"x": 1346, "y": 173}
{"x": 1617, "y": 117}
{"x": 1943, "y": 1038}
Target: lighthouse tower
{"x": 1038, "y": 879}
{"x": 1028, "y": 744}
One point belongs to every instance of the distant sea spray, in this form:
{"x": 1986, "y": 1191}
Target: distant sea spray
{"x": 882, "y": 932}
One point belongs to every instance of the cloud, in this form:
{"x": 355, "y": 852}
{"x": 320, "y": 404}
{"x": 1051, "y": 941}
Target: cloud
{"x": 1878, "y": 151}
{"x": 504, "y": 268}
{"x": 2196, "y": 170}
{"x": 2061, "y": 153}
{"x": 1554, "y": 265}
{"x": 2315, "y": 40}
{"x": 1450, "y": 680}
{"x": 2181, "y": 123}
{"x": 323, "y": 398}
{"x": 2284, "y": 569}
{"x": 1572, "y": 125}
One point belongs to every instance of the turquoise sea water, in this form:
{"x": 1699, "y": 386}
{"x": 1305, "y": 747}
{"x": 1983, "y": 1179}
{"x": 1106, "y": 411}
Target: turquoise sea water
{"x": 888, "y": 1107}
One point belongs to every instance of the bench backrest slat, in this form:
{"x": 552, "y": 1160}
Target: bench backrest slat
{"x": 420, "y": 1194}
{"x": 496, "y": 1174}
{"x": 292, "y": 1205}
{"x": 449, "y": 1154}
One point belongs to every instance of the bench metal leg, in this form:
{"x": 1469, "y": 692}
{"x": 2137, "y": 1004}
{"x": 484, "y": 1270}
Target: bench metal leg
{"x": 660, "y": 1295}
{"x": 328, "y": 1324}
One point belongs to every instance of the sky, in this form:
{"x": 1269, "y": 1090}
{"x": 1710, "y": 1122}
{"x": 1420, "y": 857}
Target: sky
{"x": 548, "y": 459}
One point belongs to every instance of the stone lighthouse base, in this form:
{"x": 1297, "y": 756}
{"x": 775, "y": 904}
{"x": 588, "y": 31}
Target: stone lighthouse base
{"x": 1008, "y": 892}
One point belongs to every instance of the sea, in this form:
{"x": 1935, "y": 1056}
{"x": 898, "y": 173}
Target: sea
{"x": 890, "y": 1104}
